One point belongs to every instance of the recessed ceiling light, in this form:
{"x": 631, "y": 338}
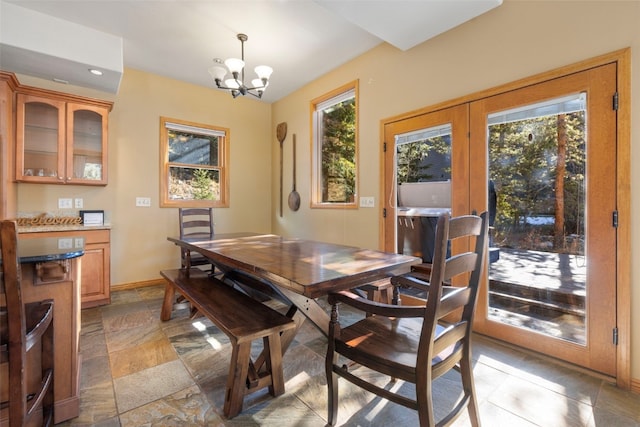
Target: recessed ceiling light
{"x": 95, "y": 72}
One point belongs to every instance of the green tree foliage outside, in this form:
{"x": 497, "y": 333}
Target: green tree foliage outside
{"x": 414, "y": 163}
{"x": 339, "y": 152}
{"x": 202, "y": 185}
{"x": 523, "y": 158}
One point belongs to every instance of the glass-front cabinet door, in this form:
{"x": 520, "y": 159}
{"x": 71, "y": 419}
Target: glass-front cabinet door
{"x": 60, "y": 142}
{"x": 40, "y": 139}
{"x": 86, "y": 144}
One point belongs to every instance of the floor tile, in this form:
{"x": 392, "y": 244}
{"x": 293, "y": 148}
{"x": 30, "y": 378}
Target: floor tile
{"x": 135, "y": 319}
{"x": 150, "y": 384}
{"x": 97, "y": 405}
{"x": 540, "y": 405}
{"x": 95, "y": 371}
{"x": 140, "y": 371}
{"x": 188, "y": 407}
{"x": 139, "y": 357}
{"x": 615, "y": 400}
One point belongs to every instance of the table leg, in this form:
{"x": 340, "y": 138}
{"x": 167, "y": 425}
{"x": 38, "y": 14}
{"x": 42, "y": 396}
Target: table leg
{"x": 310, "y": 308}
{"x": 167, "y": 304}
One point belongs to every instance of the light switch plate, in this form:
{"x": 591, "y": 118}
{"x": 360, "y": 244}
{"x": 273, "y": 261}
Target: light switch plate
{"x": 144, "y": 202}
{"x": 367, "y": 202}
{"x": 65, "y": 203}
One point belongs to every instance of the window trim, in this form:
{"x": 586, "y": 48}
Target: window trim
{"x": 337, "y": 95}
{"x": 224, "y": 135}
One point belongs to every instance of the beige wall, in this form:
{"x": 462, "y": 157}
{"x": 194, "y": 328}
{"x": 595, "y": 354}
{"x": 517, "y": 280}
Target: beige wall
{"x": 139, "y": 248}
{"x": 514, "y": 41}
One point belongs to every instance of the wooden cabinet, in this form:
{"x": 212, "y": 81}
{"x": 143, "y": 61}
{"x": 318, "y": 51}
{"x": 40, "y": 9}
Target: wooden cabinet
{"x": 61, "y": 139}
{"x": 95, "y": 276}
{"x": 8, "y": 197}
{"x": 95, "y": 264}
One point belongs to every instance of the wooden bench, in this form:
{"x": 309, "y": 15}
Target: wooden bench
{"x": 243, "y": 320}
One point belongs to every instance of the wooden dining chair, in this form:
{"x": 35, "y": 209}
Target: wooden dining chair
{"x": 195, "y": 223}
{"x": 415, "y": 343}
{"x": 24, "y": 329}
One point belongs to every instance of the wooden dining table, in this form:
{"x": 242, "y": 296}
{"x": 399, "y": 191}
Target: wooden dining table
{"x": 298, "y": 270}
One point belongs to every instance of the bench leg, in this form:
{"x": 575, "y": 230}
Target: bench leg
{"x": 273, "y": 347}
{"x": 236, "y": 380}
{"x": 167, "y": 304}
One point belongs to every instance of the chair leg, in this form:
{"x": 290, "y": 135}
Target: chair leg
{"x": 332, "y": 386}
{"x": 330, "y": 361}
{"x": 424, "y": 398}
{"x": 466, "y": 371}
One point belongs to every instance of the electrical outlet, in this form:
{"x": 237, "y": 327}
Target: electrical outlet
{"x": 79, "y": 203}
{"x": 144, "y": 202}
{"x": 79, "y": 242}
{"x": 367, "y": 202}
{"x": 66, "y": 243}
{"x": 65, "y": 203}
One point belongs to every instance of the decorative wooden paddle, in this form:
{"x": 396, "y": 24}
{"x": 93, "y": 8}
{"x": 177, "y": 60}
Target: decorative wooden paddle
{"x": 281, "y": 134}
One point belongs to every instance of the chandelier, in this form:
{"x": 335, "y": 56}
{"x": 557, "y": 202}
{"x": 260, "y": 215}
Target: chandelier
{"x": 236, "y": 84}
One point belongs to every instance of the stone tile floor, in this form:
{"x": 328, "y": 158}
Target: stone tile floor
{"x": 139, "y": 371}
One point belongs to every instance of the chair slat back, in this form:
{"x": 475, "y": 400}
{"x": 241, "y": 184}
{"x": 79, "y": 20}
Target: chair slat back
{"x": 443, "y": 300}
{"x": 196, "y": 222}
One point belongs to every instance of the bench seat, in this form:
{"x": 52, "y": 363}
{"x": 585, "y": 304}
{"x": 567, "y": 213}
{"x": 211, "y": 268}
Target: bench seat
{"x": 243, "y": 320}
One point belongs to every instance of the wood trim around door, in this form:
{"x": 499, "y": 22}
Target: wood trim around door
{"x": 622, "y": 58}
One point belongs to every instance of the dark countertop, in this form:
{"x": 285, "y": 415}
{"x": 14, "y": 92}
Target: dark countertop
{"x": 49, "y": 249}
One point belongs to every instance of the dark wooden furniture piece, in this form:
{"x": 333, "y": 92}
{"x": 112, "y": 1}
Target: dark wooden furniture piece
{"x": 50, "y": 270}
{"x": 416, "y": 343}
{"x": 297, "y": 270}
{"x": 294, "y": 271}
{"x": 26, "y": 341}
{"x": 195, "y": 223}
{"x": 243, "y": 320}
{"x": 379, "y": 291}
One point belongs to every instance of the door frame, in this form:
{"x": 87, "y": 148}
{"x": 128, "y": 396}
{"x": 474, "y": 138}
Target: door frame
{"x": 622, "y": 58}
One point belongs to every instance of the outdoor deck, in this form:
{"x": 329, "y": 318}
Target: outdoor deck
{"x": 542, "y": 291}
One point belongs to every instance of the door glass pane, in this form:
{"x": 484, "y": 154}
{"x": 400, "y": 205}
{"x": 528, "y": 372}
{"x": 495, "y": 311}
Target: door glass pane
{"x": 40, "y": 139}
{"x": 537, "y": 170}
{"x": 423, "y": 174}
{"x": 87, "y": 145}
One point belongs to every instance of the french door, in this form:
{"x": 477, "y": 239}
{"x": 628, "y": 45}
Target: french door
{"x": 542, "y": 160}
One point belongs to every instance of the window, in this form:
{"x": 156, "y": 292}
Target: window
{"x": 335, "y": 148}
{"x": 194, "y": 164}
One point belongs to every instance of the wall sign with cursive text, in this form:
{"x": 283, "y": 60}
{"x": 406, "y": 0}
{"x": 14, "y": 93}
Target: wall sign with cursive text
{"x": 43, "y": 219}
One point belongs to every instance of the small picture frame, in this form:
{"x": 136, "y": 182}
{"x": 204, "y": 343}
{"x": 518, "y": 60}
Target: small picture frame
{"x": 92, "y": 218}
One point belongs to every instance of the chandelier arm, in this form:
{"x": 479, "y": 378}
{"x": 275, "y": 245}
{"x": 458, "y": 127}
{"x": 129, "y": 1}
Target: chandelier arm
{"x": 239, "y": 76}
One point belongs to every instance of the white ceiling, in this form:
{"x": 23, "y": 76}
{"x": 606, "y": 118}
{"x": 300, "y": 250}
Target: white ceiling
{"x": 300, "y": 39}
